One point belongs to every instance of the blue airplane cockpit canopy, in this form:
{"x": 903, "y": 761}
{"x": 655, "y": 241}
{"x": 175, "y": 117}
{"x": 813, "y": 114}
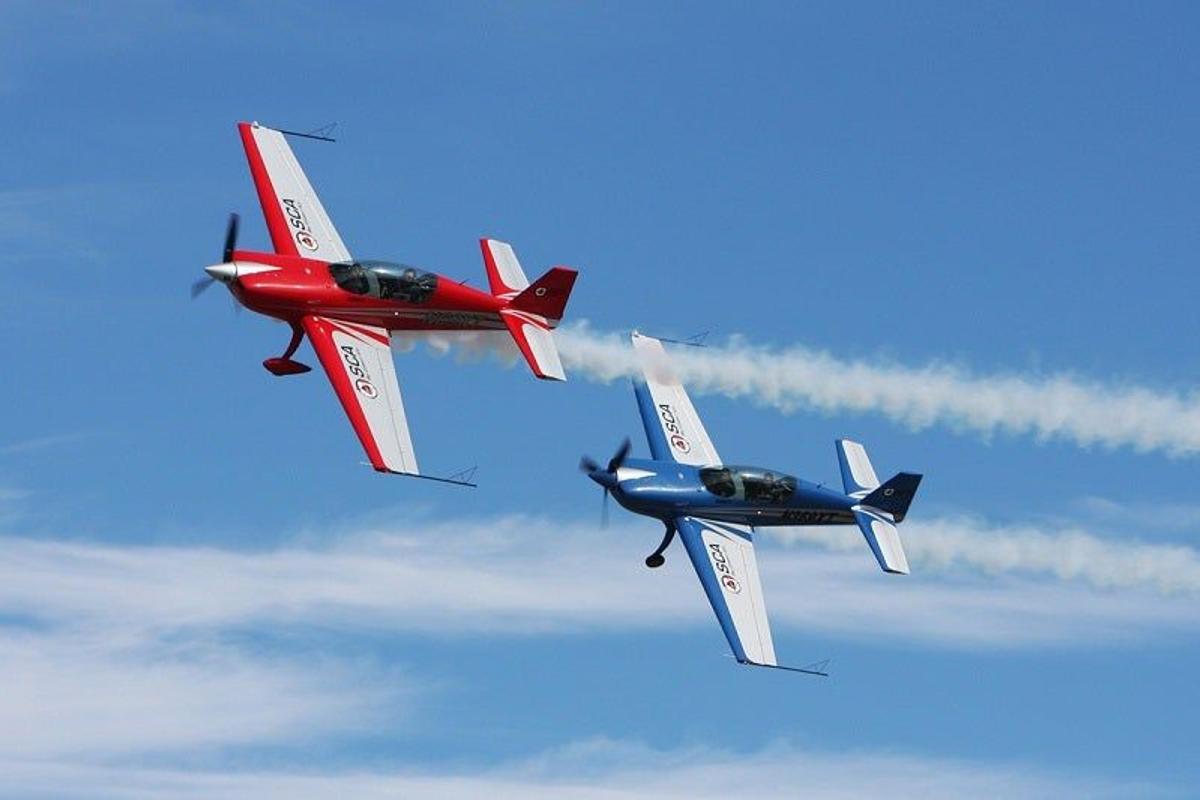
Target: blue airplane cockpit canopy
{"x": 753, "y": 484}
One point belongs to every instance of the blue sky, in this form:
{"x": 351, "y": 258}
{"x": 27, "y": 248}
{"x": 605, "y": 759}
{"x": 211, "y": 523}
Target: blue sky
{"x": 961, "y": 233}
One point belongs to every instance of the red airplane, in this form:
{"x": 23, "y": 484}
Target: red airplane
{"x": 350, "y": 309}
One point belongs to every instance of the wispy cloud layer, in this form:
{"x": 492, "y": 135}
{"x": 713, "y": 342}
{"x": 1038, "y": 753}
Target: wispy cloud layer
{"x": 596, "y": 770}
{"x": 1085, "y": 412}
{"x": 74, "y": 691}
{"x": 44, "y": 442}
{"x": 115, "y": 654}
{"x": 524, "y": 576}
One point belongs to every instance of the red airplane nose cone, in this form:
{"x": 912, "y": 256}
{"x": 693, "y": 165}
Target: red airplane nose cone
{"x": 222, "y": 272}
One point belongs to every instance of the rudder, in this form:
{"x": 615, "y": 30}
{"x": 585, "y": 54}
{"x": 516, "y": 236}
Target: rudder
{"x": 895, "y": 496}
{"x": 547, "y": 296}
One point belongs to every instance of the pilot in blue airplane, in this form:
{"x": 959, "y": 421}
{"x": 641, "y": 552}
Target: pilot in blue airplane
{"x": 714, "y": 507}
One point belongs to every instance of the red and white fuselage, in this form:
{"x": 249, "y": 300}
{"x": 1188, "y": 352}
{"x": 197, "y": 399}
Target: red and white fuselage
{"x": 290, "y": 287}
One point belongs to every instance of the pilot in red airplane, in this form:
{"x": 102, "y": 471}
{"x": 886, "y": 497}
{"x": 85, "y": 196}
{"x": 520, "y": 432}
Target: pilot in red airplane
{"x": 350, "y": 308}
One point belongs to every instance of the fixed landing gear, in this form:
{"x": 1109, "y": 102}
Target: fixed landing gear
{"x": 655, "y": 559}
{"x": 283, "y": 365}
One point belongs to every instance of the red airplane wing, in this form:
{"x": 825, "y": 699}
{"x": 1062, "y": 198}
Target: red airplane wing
{"x": 295, "y": 217}
{"x": 358, "y": 360}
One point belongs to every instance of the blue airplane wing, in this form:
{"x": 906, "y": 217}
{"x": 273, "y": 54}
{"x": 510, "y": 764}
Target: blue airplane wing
{"x": 723, "y": 556}
{"x": 659, "y": 448}
{"x": 673, "y": 428}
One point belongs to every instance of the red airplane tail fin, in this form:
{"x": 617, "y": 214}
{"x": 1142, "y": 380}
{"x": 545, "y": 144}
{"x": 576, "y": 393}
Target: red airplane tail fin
{"x": 532, "y": 310}
{"x": 547, "y": 296}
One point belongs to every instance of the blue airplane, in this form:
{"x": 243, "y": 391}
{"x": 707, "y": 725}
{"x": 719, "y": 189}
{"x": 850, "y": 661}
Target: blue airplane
{"x": 714, "y": 507}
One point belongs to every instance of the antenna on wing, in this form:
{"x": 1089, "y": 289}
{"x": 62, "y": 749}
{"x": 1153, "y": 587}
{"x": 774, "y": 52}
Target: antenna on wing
{"x": 819, "y": 668}
{"x": 695, "y": 340}
{"x": 321, "y": 134}
{"x": 464, "y": 477}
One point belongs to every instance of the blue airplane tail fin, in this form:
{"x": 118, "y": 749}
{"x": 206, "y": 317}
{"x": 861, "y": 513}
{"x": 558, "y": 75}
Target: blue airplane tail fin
{"x": 878, "y": 507}
{"x": 895, "y": 496}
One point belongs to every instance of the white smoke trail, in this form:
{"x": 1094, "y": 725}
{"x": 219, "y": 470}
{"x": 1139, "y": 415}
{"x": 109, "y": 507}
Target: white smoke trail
{"x": 1084, "y": 412}
{"x": 1067, "y": 553}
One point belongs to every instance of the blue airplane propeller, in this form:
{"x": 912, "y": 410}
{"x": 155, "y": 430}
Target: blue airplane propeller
{"x": 607, "y": 478}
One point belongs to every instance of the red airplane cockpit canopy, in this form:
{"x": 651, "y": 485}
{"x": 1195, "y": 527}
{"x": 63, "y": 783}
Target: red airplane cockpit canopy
{"x": 385, "y": 280}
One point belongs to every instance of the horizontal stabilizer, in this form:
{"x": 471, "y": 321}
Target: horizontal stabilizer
{"x": 895, "y": 496}
{"x": 858, "y": 476}
{"x": 883, "y": 539}
{"x": 536, "y": 343}
{"x": 505, "y": 276}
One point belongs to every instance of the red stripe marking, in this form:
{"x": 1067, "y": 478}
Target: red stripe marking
{"x": 281, "y": 233}
{"x": 493, "y": 272}
{"x": 320, "y": 334}
{"x": 361, "y": 331}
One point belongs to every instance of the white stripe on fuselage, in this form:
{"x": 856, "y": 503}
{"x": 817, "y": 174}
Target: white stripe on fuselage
{"x": 632, "y": 474}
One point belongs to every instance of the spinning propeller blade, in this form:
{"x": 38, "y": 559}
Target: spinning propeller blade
{"x": 231, "y": 235}
{"x": 619, "y": 457}
{"x": 591, "y": 467}
{"x": 200, "y": 286}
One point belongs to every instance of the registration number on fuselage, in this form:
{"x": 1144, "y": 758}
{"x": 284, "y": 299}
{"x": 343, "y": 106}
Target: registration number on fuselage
{"x": 800, "y": 516}
{"x": 458, "y": 319}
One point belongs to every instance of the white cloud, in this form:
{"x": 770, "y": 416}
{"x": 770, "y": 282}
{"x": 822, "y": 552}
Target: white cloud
{"x": 116, "y": 656}
{"x": 71, "y": 691}
{"x": 595, "y": 770}
{"x": 525, "y": 576}
{"x": 1165, "y": 516}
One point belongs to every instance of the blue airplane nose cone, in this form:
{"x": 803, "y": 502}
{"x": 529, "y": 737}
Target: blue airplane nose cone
{"x": 606, "y": 479}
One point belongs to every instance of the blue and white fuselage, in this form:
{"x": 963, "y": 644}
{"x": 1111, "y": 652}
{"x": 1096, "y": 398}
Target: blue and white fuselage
{"x": 714, "y": 507}
{"x": 747, "y": 495}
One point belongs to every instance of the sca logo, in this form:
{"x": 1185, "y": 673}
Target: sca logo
{"x": 724, "y": 570}
{"x": 671, "y": 426}
{"x": 354, "y": 366}
{"x": 299, "y": 223}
